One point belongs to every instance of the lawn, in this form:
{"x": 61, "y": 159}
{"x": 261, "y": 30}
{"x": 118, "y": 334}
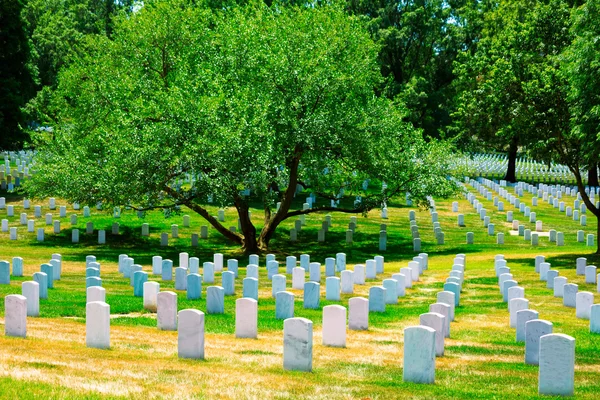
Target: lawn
{"x": 481, "y": 360}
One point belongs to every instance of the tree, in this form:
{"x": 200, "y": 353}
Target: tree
{"x": 503, "y": 100}
{"x": 419, "y": 42}
{"x": 185, "y": 103}
{"x": 55, "y": 27}
{"x": 16, "y": 84}
{"x": 578, "y": 145}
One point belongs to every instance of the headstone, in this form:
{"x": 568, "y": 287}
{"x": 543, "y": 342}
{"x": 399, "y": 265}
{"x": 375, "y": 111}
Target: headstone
{"x": 232, "y": 266}
{"x": 544, "y": 268}
{"x": 534, "y": 330}
{"x": 180, "y": 278}
{"x": 166, "y": 311}
{"x": 17, "y": 263}
{"x": 284, "y": 305}
{"x": 444, "y": 310}
{"x": 151, "y": 290}
{"x": 359, "y": 274}
{"x": 570, "y": 295}
{"x": 550, "y": 275}
{"x": 583, "y": 304}
{"x": 167, "y": 270}
{"x": 454, "y": 288}
{"x": 340, "y": 262}
{"x": 470, "y": 237}
{"x": 524, "y": 316}
{"x": 250, "y": 288}
{"x": 215, "y": 300}
{"x": 391, "y": 291}
{"x": 31, "y": 291}
{"x": 194, "y": 286}
{"x": 42, "y": 279}
{"x": 370, "y": 269}
{"x": 590, "y": 274}
{"x": 419, "y": 354}
{"x": 437, "y": 322}
{"x": 297, "y": 344}
{"x": 304, "y": 261}
{"x": 311, "y": 295}
{"x": 377, "y": 299}
{"x": 334, "y": 326}
{"x": 246, "y": 318}
{"x": 97, "y": 325}
{"x": 332, "y": 288}
{"x": 557, "y": 365}
{"x": 290, "y": 264}
{"x": 49, "y": 271}
{"x": 74, "y": 235}
{"x": 595, "y": 318}
{"x": 278, "y": 284}
{"x": 517, "y": 305}
{"x": 190, "y": 334}
{"x": 329, "y": 266}
{"x": 400, "y": 284}
{"x": 208, "y": 272}
{"x": 298, "y": 278}
{"x": 347, "y": 281}
{"x": 581, "y": 263}
{"x": 252, "y": 271}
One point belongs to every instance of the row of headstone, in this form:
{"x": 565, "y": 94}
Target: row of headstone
{"x": 554, "y": 353}
{"x": 496, "y": 164}
{"x": 527, "y": 234}
{"x": 414, "y": 230}
{"x": 425, "y": 342}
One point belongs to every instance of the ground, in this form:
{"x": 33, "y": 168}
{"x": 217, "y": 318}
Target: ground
{"x": 481, "y": 360}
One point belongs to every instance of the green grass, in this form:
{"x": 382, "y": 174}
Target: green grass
{"x": 482, "y": 359}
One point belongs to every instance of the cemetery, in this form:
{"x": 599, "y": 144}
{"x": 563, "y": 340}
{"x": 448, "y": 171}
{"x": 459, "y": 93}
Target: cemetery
{"x": 299, "y": 200}
{"x": 167, "y": 307}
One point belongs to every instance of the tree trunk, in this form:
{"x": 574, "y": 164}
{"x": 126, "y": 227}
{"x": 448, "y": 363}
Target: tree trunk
{"x": 511, "y": 175}
{"x": 598, "y": 235}
{"x": 593, "y": 176}
{"x": 586, "y": 200}
{"x": 249, "y": 242}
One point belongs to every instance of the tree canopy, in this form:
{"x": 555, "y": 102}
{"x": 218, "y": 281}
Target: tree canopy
{"x": 183, "y": 103}
{"x": 16, "y": 83}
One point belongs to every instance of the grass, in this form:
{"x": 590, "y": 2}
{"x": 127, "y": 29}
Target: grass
{"x": 482, "y": 359}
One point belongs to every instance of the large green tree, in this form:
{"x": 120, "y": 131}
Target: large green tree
{"x": 577, "y": 145}
{"x": 16, "y": 84}
{"x": 509, "y": 88}
{"x": 55, "y": 27}
{"x": 250, "y": 98}
{"x": 419, "y": 41}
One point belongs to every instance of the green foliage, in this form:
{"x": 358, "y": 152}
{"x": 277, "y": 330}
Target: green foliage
{"x": 16, "y": 85}
{"x": 253, "y": 97}
{"x": 506, "y": 85}
{"x": 419, "y": 41}
{"x": 581, "y": 68}
{"x": 55, "y": 27}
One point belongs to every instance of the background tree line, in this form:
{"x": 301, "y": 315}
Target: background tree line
{"x": 491, "y": 75}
